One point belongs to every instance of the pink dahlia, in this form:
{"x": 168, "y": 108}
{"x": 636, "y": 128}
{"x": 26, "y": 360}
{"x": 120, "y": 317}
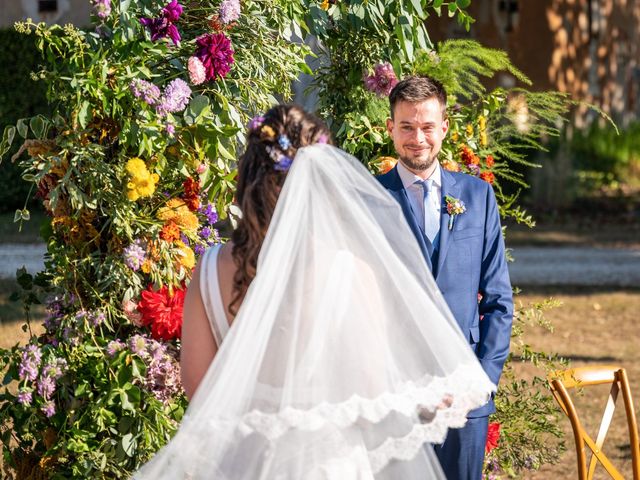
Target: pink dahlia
{"x": 197, "y": 72}
{"x": 215, "y": 52}
{"x": 382, "y": 81}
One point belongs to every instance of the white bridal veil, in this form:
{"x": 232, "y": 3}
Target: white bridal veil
{"x": 343, "y": 359}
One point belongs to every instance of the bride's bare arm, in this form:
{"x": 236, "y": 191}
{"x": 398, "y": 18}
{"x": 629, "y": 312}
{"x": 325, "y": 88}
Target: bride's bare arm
{"x": 198, "y": 345}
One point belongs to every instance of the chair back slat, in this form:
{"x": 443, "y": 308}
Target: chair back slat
{"x": 562, "y": 381}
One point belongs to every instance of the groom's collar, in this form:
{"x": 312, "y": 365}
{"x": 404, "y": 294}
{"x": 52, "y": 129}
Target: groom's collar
{"x": 408, "y": 178}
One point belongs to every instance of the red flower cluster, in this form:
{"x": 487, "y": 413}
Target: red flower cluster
{"x": 488, "y": 177}
{"x": 489, "y": 161}
{"x": 191, "y": 194}
{"x": 163, "y": 311}
{"x": 493, "y": 436}
{"x": 468, "y": 157}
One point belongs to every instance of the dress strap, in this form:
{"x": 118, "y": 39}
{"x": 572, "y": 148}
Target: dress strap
{"x": 211, "y": 295}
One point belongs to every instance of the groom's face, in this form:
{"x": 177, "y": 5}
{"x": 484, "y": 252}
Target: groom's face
{"x": 417, "y": 130}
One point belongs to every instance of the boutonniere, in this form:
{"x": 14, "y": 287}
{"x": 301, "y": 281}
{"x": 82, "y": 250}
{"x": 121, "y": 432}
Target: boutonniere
{"x": 455, "y": 207}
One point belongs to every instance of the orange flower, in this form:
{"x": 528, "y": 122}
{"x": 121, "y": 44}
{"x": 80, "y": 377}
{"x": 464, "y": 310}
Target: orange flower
{"x": 469, "y": 157}
{"x": 384, "y": 164}
{"x": 451, "y": 165}
{"x": 488, "y": 177}
{"x": 170, "y": 232}
{"x": 489, "y": 161}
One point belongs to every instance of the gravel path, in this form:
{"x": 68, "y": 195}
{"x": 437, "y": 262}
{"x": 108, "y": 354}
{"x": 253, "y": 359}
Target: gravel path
{"x": 16, "y": 255}
{"x": 578, "y": 266}
{"x": 534, "y": 266}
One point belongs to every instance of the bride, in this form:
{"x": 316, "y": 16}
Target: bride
{"x": 311, "y": 348}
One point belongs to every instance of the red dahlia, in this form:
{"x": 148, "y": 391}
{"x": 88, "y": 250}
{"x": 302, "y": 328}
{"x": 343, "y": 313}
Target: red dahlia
{"x": 493, "y": 436}
{"x": 163, "y": 311}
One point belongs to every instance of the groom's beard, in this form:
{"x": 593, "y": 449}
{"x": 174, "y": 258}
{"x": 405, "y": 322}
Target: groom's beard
{"x": 418, "y": 165}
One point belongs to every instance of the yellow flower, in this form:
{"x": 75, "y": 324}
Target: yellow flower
{"x": 186, "y": 257}
{"x": 482, "y": 122}
{"x": 267, "y": 132}
{"x": 483, "y": 139}
{"x": 454, "y": 137}
{"x": 324, "y": 5}
{"x": 142, "y": 183}
{"x": 136, "y": 167}
{"x": 146, "y": 266}
{"x": 469, "y": 130}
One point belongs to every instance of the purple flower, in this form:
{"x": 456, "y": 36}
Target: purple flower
{"x": 145, "y": 90}
{"x": 25, "y": 396}
{"x": 172, "y": 11}
{"x": 382, "y": 81}
{"x": 30, "y": 363}
{"x": 229, "y": 11}
{"x": 474, "y": 169}
{"x": 170, "y": 128}
{"x": 215, "y": 52}
{"x": 163, "y": 26}
{"x": 205, "y": 232}
{"x": 210, "y": 212}
{"x": 114, "y": 346}
{"x": 138, "y": 345}
{"x": 199, "y": 249}
{"x": 96, "y": 318}
{"x": 49, "y": 408}
{"x": 134, "y": 255}
{"x": 102, "y": 8}
{"x": 46, "y": 387}
{"x": 184, "y": 239}
{"x": 175, "y": 97}
{"x": 163, "y": 373}
{"x": 256, "y": 122}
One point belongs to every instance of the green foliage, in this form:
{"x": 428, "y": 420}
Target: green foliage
{"x": 604, "y": 150}
{"x": 356, "y": 35}
{"x": 460, "y": 64}
{"x": 528, "y": 415}
{"x": 132, "y": 193}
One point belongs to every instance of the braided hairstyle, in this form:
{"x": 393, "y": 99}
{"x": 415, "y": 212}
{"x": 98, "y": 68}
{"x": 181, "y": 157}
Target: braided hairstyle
{"x": 271, "y": 143}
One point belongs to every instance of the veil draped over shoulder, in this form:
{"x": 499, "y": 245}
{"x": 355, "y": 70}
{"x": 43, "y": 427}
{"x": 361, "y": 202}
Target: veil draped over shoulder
{"x": 343, "y": 359}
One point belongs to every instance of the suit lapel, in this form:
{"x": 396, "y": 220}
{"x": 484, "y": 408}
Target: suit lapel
{"x": 393, "y": 184}
{"x": 449, "y": 187}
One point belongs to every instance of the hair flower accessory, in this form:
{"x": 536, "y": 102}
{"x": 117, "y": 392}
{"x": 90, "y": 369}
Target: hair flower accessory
{"x": 281, "y": 161}
{"x": 455, "y": 207}
{"x": 284, "y": 142}
{"x": 267, "y": 132}
{"x": 256, "y": 122}
{"x": 323, "y": 139}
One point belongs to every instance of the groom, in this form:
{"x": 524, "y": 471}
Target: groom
{"x": 465, "y": 252}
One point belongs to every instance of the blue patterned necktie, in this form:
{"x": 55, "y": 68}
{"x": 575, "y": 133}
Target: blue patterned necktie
{"x": 431, "y": 223}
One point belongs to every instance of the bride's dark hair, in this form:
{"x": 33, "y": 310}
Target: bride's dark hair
{"x": 276, "y": 135}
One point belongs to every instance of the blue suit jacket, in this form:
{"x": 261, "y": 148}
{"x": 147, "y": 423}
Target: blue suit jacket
{"x": 471, "y": 260}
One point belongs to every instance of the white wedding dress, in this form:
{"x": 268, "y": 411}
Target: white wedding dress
{"x": 343, "y": 360}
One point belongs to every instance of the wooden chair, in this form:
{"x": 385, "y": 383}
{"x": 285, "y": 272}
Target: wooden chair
{"x": 562, "y": 381}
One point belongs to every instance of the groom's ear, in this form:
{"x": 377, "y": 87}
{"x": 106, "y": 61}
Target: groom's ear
{"x": 389, "y": 126}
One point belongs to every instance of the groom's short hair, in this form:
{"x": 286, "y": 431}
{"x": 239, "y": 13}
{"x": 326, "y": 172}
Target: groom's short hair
{"x": 415, "y": 89}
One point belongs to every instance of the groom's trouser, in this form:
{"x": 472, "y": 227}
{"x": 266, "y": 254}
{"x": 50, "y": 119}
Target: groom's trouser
{"x": 462, "y": 453}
